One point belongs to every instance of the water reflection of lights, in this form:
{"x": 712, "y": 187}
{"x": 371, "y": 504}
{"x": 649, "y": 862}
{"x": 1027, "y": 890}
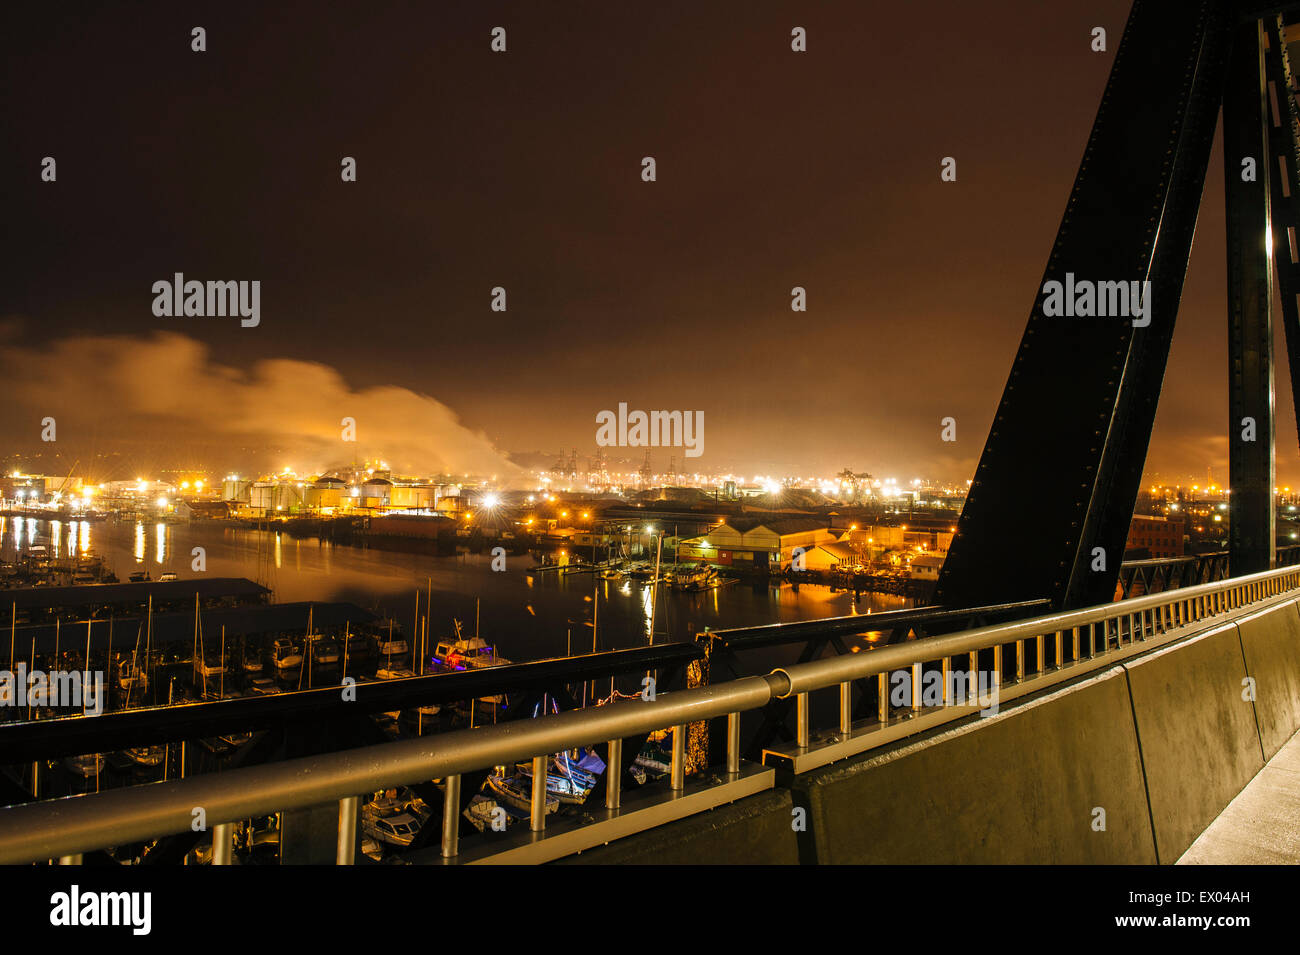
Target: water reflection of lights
{"x": 278, "y": 552}
{"x": 647, "y": 602}
{"x": 83, "y": 543}
{"x": 160, "y": 542}
{"x": 139, "y": 543}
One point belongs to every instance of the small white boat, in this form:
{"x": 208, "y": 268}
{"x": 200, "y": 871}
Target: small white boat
{"x": 285, "y": 655}
{"x": 700, "y": 577}
{"x": 394, "y": 817}
{"x": 213, "y": 667}
{"x": 466, "y": 653}
{"x": 482, "y": 812}
{"x": 391, "y": 646}
{"x": 322, "y": 651}
{"x": 518, "y": 795}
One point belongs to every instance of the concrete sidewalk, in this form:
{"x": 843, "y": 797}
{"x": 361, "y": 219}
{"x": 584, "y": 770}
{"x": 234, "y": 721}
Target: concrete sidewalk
{"x": 1262, "y": 825}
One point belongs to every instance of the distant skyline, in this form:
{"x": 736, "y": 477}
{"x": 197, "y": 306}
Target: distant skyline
{"x": 522, "y": 170}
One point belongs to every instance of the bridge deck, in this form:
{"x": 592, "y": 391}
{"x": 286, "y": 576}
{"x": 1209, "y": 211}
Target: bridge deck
{"x": 1262, "y": 825}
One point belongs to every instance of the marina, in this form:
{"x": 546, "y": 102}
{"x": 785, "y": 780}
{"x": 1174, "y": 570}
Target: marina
{"x": 177, "y": 639}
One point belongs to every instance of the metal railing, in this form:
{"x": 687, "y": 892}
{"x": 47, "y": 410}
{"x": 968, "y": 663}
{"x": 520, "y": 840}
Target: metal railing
{"x": 1045, "y": 650}
{"x": 1020, "y": 658}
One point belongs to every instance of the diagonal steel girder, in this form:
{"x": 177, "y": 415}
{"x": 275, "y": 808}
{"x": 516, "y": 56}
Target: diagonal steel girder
{"x": 1071, "y": 432}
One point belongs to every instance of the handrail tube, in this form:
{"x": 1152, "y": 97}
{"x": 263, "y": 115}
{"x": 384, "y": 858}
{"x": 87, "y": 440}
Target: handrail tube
{"x": 47, "y": 830}
{"x": 841, "y": 669}
{"x": 772, "y": 634}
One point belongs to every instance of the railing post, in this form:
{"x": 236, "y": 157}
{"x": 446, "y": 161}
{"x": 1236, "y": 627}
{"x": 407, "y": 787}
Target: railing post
{"x": 1020, "y": 661}
{"x": 846, "y": 702}
{"x": 223, "y": 843}
{"x": 916, "y": 687}
{"x": 451, "y": 817}
{"x": 614, "y": 771}
{"x": 537, "y": 805}
{"x": 678, "y": 782}
{"x": 882, "y": 698}
{"x": 346, "y": 853}
{"x": 802, "y": 731}
{"x": 733, "y": 742}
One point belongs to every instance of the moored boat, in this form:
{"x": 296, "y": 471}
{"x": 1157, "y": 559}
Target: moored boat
{"x": 147, "y": 756}
{"x": 91, "y": 764}
{"x": 571, "y": 790}
{"x": 322, "y": 650}
{"x": 698, "y": 577}
{"x": 512, "y": 792}
{"x": 285, "y": 656}
{"x": 394, "y": 817}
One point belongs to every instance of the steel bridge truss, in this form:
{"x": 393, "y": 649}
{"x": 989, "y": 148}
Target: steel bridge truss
{"x": 1075, "y": 418}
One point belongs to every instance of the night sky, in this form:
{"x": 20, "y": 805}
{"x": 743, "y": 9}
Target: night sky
{"x": 522, "y": 170}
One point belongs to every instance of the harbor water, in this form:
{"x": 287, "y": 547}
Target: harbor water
{"x": 528, "y": 614}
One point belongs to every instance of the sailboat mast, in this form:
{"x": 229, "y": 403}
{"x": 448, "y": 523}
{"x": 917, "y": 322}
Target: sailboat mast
{"x": 654, "y": 591}
{"x": 148, "y": 643}
{"x": 86, "y": 675}
{"x": 194, "y": 659}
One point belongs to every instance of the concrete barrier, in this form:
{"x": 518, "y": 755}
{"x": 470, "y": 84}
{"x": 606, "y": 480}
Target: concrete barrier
{"x": 1200, "y": 745}
{"x": 1270, "y": 641}
{"x": 752, "y": 831}
{"x": 1019, "y": 787}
